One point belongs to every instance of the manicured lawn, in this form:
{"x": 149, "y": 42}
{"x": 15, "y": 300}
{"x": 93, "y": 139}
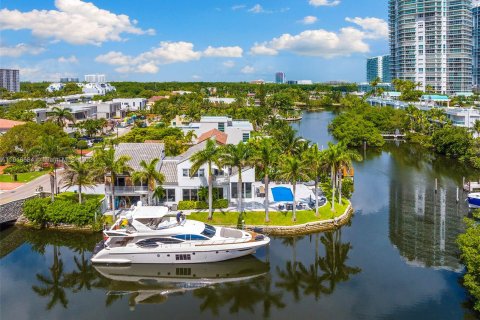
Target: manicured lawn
{"x": 22, "y": 177}
{"x": 276, "y": 218}
{"x": 73, "y": 196}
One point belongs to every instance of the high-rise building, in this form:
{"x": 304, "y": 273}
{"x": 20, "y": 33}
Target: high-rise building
{"x": 379, "y": 67}
{"x": 476, "y": 44}
{"x": 10, "y": 79}
{"x": 280, "y": 77}
{"x": 65, "y": 80}
{"x": 431, "y": 43}
{"x": 95, "y": 78}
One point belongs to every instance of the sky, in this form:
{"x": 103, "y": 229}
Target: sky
{"x": 192, "y": 40}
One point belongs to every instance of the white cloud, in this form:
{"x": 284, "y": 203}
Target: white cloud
{"x": 71, "y": 59}
{"x": 374, "y": 27}
{"x": 256, "y": 9}
{"x": 238, "y": 7}
{"x": 309, "y": 20}
{"x": 20, "y": 49}
{"x": 324, "y": 3}
{"x": 196, "y": 77}
{"x": 227, "y": 52}
{"x": 319, "y": 42}
{"x": 114, "y": 58}
{"x": 229, "y": 64}
{"x": 75, "y": 22}
{"x": 247, "y": 70}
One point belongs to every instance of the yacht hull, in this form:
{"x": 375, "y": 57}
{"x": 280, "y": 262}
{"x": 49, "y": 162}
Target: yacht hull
{"x": 184, "y": 254}
{"x": 474, "y": 200}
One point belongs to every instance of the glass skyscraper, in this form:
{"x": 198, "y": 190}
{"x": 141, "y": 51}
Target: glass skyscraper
{"x": 280, "y": 77}
{"x": 476, "y": 44}
{"x": 431, "y": 43}
{"x": 379, "y": 67}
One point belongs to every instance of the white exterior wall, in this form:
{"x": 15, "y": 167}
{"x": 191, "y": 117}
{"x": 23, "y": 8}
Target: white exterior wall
{"x": 235, "y": 135}
{"x": 132, "y": 104}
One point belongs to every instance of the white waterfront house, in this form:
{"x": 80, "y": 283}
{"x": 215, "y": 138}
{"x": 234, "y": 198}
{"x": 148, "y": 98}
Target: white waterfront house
{"x": 235, "y": 130}
{"x": 179, "y": 185}
{"x": 132, "y": 104}
{"x": 98, "y": 88}
{"x": 463, "y": 117}
{"x": 55, "y": 87}
{"x": 217, "y": 100}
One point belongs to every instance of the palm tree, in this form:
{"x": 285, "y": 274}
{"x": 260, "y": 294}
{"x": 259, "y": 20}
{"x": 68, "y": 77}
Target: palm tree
{"x": 50, "y": 148}
{"x": 290, "y": 142}
{"x": 158, "y": 193}
{"x": 238, "y": 156}
{"x": 78, "y": 173}
{"x": 108, "y": 164}
{"x": 149, "y": 174}
{"x": 293, "y": 170}
{"x": 265, "y": 158}
{"x": 476, "y": 127}
{"x": 210, "y": 155}
{"x": 317, "y": 163}
{"x": 338, "y": 157}
{"x": 60, "y": 115}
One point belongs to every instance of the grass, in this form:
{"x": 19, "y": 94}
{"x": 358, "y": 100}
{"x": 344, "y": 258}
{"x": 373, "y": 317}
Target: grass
{"x": 22, "y": 177}
{"x": 284, "y": 218}
{"x": 73, "y": 196}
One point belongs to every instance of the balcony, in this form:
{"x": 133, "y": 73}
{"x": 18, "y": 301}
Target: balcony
{"x": 127, "y": 190}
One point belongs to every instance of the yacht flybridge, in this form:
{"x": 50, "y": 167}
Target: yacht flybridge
{"x": 154, "y": 235}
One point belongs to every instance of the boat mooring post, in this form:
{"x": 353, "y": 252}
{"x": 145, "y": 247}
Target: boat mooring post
{"x": 436, "y": 185}
{"x": 458, "y": 199}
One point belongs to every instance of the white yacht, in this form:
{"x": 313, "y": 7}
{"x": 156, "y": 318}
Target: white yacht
{"x": 153, "y": 235}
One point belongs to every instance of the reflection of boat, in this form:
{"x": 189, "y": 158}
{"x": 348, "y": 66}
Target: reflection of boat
{"x": 474, "y": 200}
{"x": 153, "y": 283}
{"x": 152, "y": 235}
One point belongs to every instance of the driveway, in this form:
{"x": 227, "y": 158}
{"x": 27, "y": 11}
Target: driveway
{"x": 26, "y": 190}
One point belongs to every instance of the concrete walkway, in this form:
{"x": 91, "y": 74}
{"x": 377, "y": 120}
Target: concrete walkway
{"x": 28, "y": 189}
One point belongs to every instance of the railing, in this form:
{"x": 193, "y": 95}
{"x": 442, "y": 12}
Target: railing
{"x": 126, "y": 189}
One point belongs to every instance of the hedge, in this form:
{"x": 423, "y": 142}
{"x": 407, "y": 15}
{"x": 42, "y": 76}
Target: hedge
{"x": 42, "y": 211}
{"x": 198, "y": 205}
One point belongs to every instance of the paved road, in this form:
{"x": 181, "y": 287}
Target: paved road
{"x": 28, "y": 189}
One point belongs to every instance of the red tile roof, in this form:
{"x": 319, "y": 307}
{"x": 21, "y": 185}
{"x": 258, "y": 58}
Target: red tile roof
{"x": 157, "y": 98}
{"x": 220, "y": 137}
{"x": 9, "y": 124}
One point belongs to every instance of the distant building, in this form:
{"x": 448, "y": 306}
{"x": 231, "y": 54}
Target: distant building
{"x": 132, "y": 104}
{"x": 366, "y": 87}
{"x": 280, "y": 77}
{"x": 431, "y": 43}
{"x": 95, "y": 78}
{"x": 379, "y": 67}
{"x": 66, "y": 80}
{"x": 98, "y": 88}
{"x": 6, "y": 125}
{"x": 217, "y": 100}
{"x": 304, "y": 82}
{"x": 476, "y": 44}
{"x": 10, "y": 79}
{"x": 55, "y": 87}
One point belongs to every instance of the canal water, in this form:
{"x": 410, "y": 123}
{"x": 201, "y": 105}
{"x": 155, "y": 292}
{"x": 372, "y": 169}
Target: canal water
{"x": 396, "y": 260}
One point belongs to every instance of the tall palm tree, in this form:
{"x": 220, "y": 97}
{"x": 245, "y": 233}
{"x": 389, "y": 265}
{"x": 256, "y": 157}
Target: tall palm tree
{"x": 265, "y": 157}
{"x": 78, "y": 173}
{"x": 318, "y": 166}
{"x": 50, "y": 148}
{"x": 292, "y": 169}
{"x": 476, "y": 127}
{"x": 108, "y": 164}
{"x": 238, "y": 156}
{"x": 210, "y": 155}
{"x": 338, "y": 156}
{"x": 290, "y": 142}
{"x": 150, "y": 175}
{"x": 60, "y": 115}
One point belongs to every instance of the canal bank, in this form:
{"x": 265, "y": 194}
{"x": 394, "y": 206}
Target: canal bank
{"x": 396, "y": 260}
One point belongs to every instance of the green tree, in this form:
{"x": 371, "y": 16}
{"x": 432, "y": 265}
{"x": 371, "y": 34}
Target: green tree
{"x": 317, "y": 163}
{"x": 78, "y": 173}
{"x": 265, "y": 157}
{"x": 60, "y": 115}
{"x": 150, "y": 174}
{"x": 238, "y": 156}
{"x": 293, "y": 170}
{"x": 107, "y": 163}
{"x": 209, "y": 155}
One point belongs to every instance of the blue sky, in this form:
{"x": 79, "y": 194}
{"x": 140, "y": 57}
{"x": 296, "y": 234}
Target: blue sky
{"x": 190, "y": 40}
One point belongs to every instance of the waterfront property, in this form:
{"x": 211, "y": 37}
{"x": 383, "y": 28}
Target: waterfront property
{"x": 132, "y": 104}
{"x": 6, "y": 125}
{"x": 236, "y": 130}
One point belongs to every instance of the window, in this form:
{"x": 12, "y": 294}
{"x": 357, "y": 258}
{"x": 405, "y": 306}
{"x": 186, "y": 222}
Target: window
{"x": 221, "y": 126}
{"x": 246, "y": 190}
{"x": 183, "y": 271}
{"x": 190, "y": 194}
{"x": 209, "y": 231}
{"x": 183, "y": 257}
{"x": 201, "y": 173}
{"x": 190, "y": 237}
{"x": 246, "y": 136}
{"x": 186, "y": 172}
{"x": 169, "y": 195}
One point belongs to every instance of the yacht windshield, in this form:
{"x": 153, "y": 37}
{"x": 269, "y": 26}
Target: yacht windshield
{"x": 209, "y": 231}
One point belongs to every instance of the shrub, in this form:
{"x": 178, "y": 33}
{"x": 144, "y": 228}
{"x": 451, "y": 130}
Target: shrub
{"x": 202, "y": 205}
{"x": 35, "y": 210}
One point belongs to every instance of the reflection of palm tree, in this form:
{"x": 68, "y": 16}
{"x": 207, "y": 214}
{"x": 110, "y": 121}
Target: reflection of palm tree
{"x": 312, "y": 279}
{"x": 244, "y": 296}
{"x": 84, "y": 276}
{"x": 212, "y": 299}
{"x": 333, "y": 264}
{"x": 55, "y": 285}
{"x": 291, "y": 279}
{"x": 270, "y": 298}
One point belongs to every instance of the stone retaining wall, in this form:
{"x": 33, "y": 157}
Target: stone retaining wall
{"x": 307, "y": 228}
{"x": 10, "y": 212}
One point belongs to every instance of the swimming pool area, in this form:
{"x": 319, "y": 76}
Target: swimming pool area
{"x": 282, "y": 194}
